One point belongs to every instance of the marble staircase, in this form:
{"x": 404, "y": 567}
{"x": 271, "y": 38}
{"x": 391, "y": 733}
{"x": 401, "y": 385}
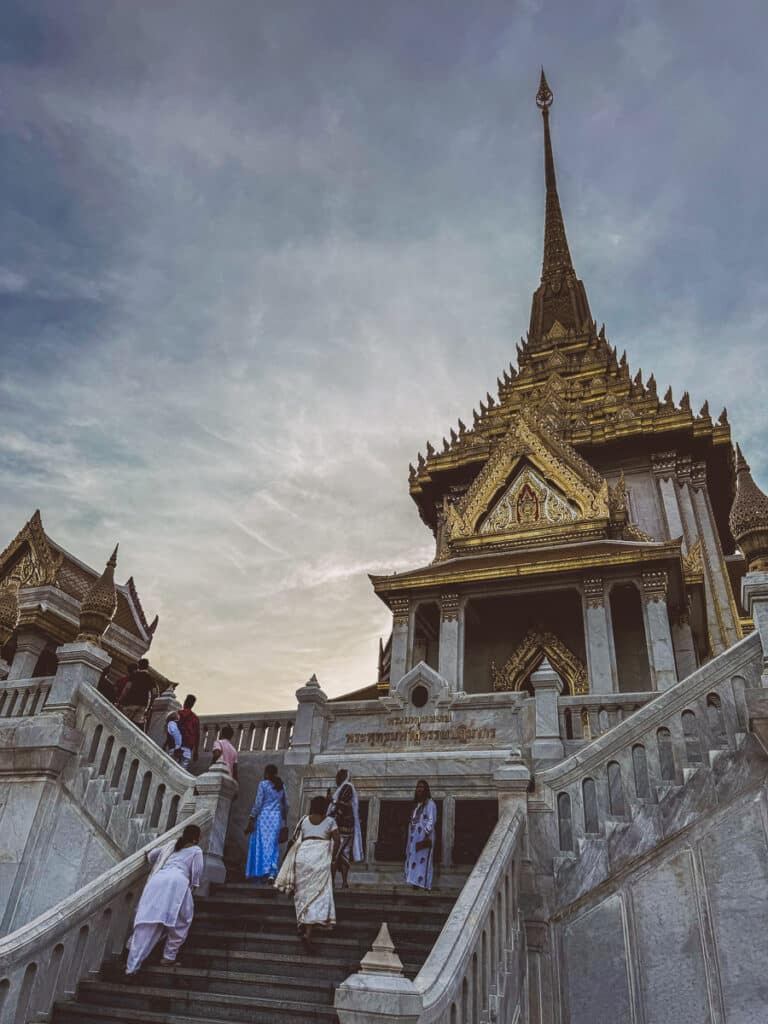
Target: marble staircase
{"x": 244, "y": 962}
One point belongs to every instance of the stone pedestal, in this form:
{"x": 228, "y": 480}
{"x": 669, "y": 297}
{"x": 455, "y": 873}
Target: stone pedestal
{"x": 308, "y": 729}
{"x": 513, "y": 780}
{"x": 80, "y": 664}
{"x": 450, "y": 635}
{"x": 161, "y": 708}
{"x": 547, "y": 686}
{"x": 215, "y": 790}
{"x": 754, "y": 598}
{"x": 29, "y": 646}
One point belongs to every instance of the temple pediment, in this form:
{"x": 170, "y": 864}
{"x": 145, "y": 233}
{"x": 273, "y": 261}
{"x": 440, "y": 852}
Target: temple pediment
{"x": 534, "y": 487}
{"x": 29, "y": 560}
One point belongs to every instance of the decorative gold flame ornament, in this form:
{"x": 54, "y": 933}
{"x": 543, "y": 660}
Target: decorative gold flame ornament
{"x": 749, "y": 517}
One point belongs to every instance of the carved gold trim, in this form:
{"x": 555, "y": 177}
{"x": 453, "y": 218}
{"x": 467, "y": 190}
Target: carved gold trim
{"x": 28, "y": 560}
{"x": 533, "y": 648}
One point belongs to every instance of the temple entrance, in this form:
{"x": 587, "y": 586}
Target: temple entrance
{"x": 498, "y": 627}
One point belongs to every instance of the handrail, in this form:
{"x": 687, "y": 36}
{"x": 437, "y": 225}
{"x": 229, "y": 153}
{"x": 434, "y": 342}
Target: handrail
{"x": 45, "y": 959}
{"x": 441, "y": 980}
{"x": 652, "y": 714}
{"x": 253, "y": 731}
{"x": 21, "y": 698}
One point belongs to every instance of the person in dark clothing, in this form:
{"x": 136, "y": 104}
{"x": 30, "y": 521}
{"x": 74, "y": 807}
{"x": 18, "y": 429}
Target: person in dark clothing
{"x": 137, "y": 693}
{"x": 106, "y": 687}
{"x": 189, "y": 724}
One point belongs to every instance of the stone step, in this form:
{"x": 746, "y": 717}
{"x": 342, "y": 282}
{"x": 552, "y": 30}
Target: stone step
{"x": 356, "y": 896}
{"x": 269, "y": 1012}
{"x": 202, "y": 1006}
{"x": 286, "y": 923}
{"x": 316, "y": 966}
{"x": 223, "y": 939}
{"x": 346, "y": 910}
{"x": 188, "y": 983}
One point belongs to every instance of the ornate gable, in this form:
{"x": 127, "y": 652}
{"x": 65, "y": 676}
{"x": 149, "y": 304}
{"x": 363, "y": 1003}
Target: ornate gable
{"x": 533, "y": 488}
{"x": 29, "y": 560}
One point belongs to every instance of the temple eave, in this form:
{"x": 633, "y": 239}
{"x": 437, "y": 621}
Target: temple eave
{"x": 527, "y": 563}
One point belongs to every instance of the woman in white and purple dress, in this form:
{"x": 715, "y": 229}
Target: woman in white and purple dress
{"x": 420, "y": 849}
{"x": 268, "y": 817}
{"x": 166, "y": 907}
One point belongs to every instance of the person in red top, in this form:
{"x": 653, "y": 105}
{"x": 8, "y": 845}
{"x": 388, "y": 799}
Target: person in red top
{"x": 189, "y": 724}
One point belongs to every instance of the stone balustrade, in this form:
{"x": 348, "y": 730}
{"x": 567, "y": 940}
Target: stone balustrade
{"x": 475, "y": 969}
{"x": 128, "y": 785}
{"x": 653, "y": 748}
{"x": 22, "y": 697}
{"x": 589, "y": 716}
{"x": 254, "y": 732}
{"x": 44, "y": 960}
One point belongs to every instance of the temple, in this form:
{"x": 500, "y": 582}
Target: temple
{"x": 579, "y": 673}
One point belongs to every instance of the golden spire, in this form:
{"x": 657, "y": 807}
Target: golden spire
{"x": 749, "y": 517}
{"x": 560, "y": 301}
{"x": 99, "y": 604}
{"x": 557, "y": 256}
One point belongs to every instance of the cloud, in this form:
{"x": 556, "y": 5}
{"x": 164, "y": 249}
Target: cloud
{"x": 251, "y": 260}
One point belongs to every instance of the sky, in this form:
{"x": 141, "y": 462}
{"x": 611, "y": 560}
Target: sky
{"x": 254, "y": 254}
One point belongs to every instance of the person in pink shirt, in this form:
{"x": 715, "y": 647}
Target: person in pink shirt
{"x": 224, "y": 750}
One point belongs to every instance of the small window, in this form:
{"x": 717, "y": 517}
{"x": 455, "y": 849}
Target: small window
{"x": 419, "y": 696}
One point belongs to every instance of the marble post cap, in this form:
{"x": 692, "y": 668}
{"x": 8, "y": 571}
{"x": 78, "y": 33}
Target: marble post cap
{"x": 311, "y": 691}
{"x": 382, "y": 958}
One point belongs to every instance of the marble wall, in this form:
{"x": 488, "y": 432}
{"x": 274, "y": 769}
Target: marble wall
{"x": 682, "y": 937}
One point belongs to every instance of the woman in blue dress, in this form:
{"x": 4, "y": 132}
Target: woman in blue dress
{"x": 268, "y": 817}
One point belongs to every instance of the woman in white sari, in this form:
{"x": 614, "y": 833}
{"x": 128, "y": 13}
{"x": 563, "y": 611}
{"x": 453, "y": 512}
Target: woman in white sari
{"x": 420, "y": 849}
{"x": 166, "y": 906}
{"x": 306, "y": 870}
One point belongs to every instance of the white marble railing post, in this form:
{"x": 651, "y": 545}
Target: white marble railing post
{"x": 80, "y": 664}
{"x": 451, "y": 611}
{"x": 754, "y": 598}
{"x": 214, "y": 792}
{"x": 600, "y": 663}
{"x": 400, "y": 636}
{"x": 161, "y": 708}
{"x": 29, "y": 646}
{"x": 658, "y": 633}
{"x": 547, "y": 686}
{"x": 513, "y": 780}
{"x": 308, "y": 728}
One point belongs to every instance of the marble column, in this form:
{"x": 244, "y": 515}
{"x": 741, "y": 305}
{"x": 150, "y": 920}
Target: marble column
{"x": 401, "y": 607}
{"x": 307, "y": 730}
{"x": 30, "y": 644}
{"x": 658, "y": 634}
{"x": 372, "y": 829}
{"x": 450, "y": 636}
{"x": 601, "y": 666}
{"x": 663, "y": 467}
{"x": 448, "y": 831}
{"x": 547, "y": 686}
{"x": 684, "y": 647}
{"x": 726, "y": 614}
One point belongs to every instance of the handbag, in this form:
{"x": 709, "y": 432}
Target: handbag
{"x": 286, "y": 876}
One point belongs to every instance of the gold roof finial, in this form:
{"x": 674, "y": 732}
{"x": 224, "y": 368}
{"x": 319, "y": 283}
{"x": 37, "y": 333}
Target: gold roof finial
{"x": 544, "y": 96}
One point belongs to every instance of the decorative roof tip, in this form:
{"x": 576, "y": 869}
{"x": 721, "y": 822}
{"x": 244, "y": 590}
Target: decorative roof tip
{"x": 544, "y": 96}
{"x": 113, "y": 558}
{"x": 748, "y": 518}
{"x": 742, "y": 466}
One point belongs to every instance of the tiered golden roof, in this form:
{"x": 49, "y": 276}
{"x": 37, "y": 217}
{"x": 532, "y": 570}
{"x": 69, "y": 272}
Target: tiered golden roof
{"x": 574, "y": 383}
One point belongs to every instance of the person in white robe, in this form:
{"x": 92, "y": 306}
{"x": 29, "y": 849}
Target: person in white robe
{"x": 306, "y": 870}
{"x": 166, "y": 907}
{"x": 420, "y": 848}
{"x": 345, "y": 808}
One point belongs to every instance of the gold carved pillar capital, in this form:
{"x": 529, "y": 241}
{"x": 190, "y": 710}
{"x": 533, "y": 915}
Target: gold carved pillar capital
{"x": 594, "y": 591}
{"x": 449, "y": 607}
{"x": 401, "y": 609}
{"x": 664, "y": 464}
{"x": 654, "y": 585}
